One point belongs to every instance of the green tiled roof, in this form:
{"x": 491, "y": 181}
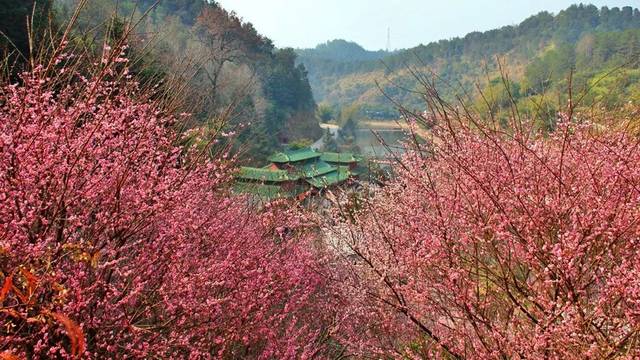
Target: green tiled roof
{"x": 319, "y": 170}
{"x": 332, "y": 178}
{"x": 342, "y": 158}
{"x": 264, "y": 174}
{"x": 294, "y": 155}
{"x": 315, "y": 169}
{"x": 266, "y": 192}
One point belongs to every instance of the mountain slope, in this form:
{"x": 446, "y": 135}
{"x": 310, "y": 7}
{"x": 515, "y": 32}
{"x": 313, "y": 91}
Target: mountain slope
{"x": 574, "y": 37}
{"x": 340, "y": 51}
{"x": 230, "y": 69}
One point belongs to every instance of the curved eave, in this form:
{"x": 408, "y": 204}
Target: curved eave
{"x": 330, "y": 179}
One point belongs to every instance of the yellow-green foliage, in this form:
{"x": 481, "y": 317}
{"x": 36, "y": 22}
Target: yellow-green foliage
{"x": 538, "y": 54}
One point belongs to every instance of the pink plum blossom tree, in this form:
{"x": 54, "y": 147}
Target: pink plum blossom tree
{"x": 116, "y": 243}
{"x": 493, "y": 244}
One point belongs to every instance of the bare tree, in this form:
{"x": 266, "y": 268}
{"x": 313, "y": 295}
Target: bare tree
{"x": 224, "y": 39}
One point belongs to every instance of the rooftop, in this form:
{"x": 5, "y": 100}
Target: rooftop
{"x": 332, "y": 178}
{"x": 306, "y": 169}
{"x": 266, "y": 192}
{"x": 294, "y": 155}
{"x": 341, "y": 158}
{"x": 265, "y": 174}
{"x": 314, "y": 169}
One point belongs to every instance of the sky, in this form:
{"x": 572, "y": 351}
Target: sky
{"x": 306, "y": 23}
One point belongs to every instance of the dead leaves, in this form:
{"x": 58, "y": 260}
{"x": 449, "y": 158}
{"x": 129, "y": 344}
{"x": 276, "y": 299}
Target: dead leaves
{"x": 26, "y": 289}
{"x": 25, "y": 292}
{"x": 80, "y": 253}
{"x": 8, "y": 285}
{"x": 74, "y": 332}
{"x": 8, "y": 356}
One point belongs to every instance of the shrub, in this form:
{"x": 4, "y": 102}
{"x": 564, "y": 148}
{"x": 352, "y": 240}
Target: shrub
{"x": 116, "y": 243}
{"x": 498, "y": 245}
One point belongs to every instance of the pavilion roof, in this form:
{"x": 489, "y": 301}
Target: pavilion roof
{"x": 265, "y": 174}
{"x": 314, "y": 169}
{"x": 294, "y": 155}
{"x": 340, "y": 158}
{"x": 266, "y": 191}
{"x": 335, "y": 177}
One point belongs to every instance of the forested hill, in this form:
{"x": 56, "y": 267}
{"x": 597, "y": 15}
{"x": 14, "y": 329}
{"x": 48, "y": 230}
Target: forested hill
{"x": 225, "y": 62}
{"x": 537, "y": 53}
{"x": 340, "y": 51}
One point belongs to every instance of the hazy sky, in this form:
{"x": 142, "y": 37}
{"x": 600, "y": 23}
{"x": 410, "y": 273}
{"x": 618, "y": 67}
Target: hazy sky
{"x": 305, "y": 23}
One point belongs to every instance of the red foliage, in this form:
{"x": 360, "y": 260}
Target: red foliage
{"x": 8, "y": 356}
{"x": 6, "y": 287}
{"x": 491, "y": 245}
{"x": 74, "y": 332}
{"x": 130, "y": 242}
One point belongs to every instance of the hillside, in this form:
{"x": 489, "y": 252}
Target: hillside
{"x": 14, "y": 42}
{"x": 340, "y": 51}
{"x": 225, "y": 68}
{"x": 538, "y": 54}
{"x": 501, "y": 220}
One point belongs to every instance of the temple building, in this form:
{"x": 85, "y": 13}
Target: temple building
{"x": 296, "y": 174}
{"x": 341, "y": 159}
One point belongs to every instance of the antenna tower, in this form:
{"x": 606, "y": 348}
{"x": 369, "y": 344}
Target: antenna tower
{"x": 388, "y": 39}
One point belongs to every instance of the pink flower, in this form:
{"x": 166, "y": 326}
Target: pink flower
{"x": 153, "y": 258}
{"x": 489, "y": 246}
